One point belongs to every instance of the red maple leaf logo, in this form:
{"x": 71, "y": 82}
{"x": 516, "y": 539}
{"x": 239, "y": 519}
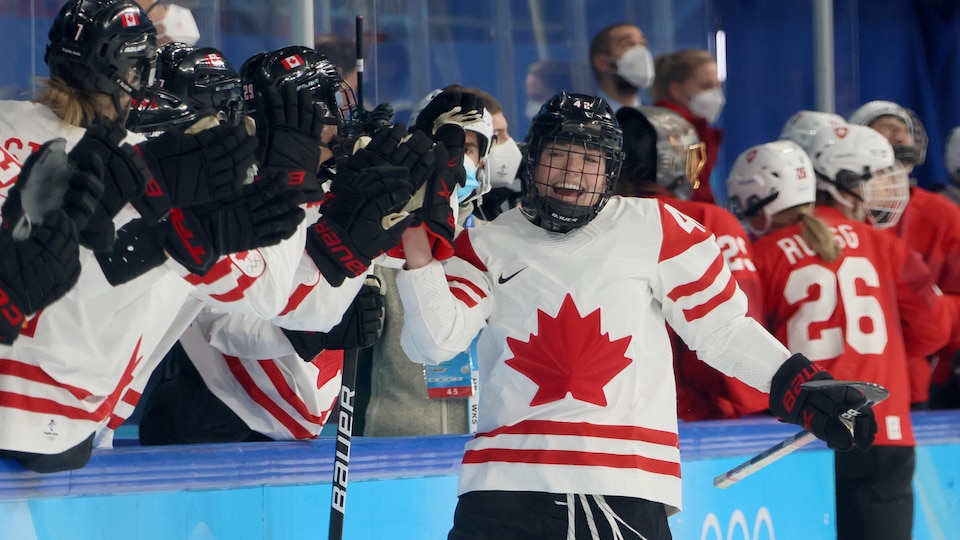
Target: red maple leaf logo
{"x": 569, "y": 355}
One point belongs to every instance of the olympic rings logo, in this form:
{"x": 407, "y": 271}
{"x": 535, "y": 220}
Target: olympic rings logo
{"x": 737, "y": 521}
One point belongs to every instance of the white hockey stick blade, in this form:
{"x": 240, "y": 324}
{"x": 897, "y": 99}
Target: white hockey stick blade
{"x": 874, "y": 394}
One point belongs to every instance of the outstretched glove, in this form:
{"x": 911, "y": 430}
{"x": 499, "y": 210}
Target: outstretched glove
{"x": 445, "y": 118}
{"x": 375, "y": 121}
{"x": 294, "y": 122}
{"x": 360, "y": 327}
{"x": 839, "y": 415}
{"x": 361, "y": 217}
{"x": 48, "y": 181}
{"x": 264, "y": 213}
{"x": 35, "y": 271}
{"x": 195, "y": 169}
{"x": 436, "y": 215}
{"x": 125, "y": 176}
{"x": 414, "y": 152}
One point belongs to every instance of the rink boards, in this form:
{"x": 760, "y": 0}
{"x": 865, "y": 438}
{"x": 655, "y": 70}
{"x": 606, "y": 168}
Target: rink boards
{"x": 406, "y": 488}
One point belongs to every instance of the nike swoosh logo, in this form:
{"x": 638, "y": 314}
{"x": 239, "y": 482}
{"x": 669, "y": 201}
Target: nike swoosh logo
{"x": 501, "y": 280}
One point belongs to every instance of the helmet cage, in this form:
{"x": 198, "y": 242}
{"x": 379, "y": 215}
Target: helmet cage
{"x": 578, "y": 124}
{"x": 106, "y": 46}
{"x": 885, "y": 196}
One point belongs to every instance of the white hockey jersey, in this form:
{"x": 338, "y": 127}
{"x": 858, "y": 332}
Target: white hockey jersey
{"x": 80, "y": 364}
{"x": 575, "y": 360}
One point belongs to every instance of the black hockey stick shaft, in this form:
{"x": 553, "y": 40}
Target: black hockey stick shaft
{"x": 874, "y": 394}
{"x": 360, "y": 61}
{"x": 341, "y": 461}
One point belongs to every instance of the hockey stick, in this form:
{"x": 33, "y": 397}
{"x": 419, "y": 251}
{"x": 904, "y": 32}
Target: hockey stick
{"x": 874, "y": 394}
{"x": 341, "y": 462}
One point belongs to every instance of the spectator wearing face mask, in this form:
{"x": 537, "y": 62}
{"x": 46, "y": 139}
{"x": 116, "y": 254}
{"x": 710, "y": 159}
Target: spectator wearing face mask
{"x": 174, "y": 23}
{"x": 688, "y": 83}
{"x": 622, "y": 64}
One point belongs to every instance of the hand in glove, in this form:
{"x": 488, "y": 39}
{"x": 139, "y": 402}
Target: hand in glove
{"x": 839, "y": 415}
{"x": 414, "y": 152}
{"x": 294, "y": 122}
{"x": 195, "y": 169}
{"x": 360, "y": 327}
{"x": 47, "y": 182}
{"x": 263, "y": 214}
{"x": 361, "y": 217}
{"x": 375, "y": 121}
{"x": 445, "y": 118}
{"x": 125, "y": 177}
{"x": 37, "y": 270}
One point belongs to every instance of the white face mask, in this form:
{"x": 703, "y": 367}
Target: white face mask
{"x": 708, "y": 104}
{"x": 532, "y": 109}
{"x": 502, "y": 164}
{"x": 636, "y": 66}
{"x": 179, "y": 26}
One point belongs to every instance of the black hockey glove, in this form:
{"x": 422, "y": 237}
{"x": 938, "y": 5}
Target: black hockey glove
{"x": 359, "y": 329}
{"x": 375, "y": 121}
{"x": 839, "y": 415}
{"x": 264, "y": 213}
{"x": 195, "y": 169}
{"x": 48, "y": 181}
{"x": 445, "y": 118}
{"x": 436, "y": 215}
{"x": 361, "y": 218}
{"x": 36, "y": 271}
{"x": 416, "y": 153}
{"x": 290, "y": 139}
{"x": 125, "y": 177}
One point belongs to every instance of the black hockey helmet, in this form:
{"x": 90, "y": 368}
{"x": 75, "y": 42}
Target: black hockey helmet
{"x": 660, "y": 146}
{"x": 191, "y": 83}
{"x": 107, "y": 46}
{"x": 582, "y": 121}
{"x": 308, "y": 69}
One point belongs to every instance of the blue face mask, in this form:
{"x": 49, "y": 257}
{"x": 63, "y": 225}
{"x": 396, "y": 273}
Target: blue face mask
{"x": 472, "y": 184}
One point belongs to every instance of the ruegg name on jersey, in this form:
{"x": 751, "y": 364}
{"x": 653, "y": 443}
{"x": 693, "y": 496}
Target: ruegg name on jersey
{"x": 795, "y": 248}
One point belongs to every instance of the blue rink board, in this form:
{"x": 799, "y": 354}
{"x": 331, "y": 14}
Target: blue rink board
{"x": 406, "y": 488}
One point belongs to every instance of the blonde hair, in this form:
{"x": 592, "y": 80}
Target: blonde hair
{"x": 74, "y": 106}
{"x": 675, "y": 67}
{"x": 815, "y": 231}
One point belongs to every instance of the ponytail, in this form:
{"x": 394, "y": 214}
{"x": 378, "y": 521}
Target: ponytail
{"x": 818, "y": 236}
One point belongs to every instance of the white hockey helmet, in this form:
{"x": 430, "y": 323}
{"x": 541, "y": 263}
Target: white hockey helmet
{"x": 858, "y": 160}
{"x": 769, "y": 178}
{"x": 907, "y": 154}
{"x": 803, "y": 125}
{"x": 952, "y": 155}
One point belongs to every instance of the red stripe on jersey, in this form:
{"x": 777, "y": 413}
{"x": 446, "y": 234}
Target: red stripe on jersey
{"x": 15, "y": 368}
{"x": 463, "y": 297}
{"x": 258, "y": 396}
{"x": 243, "y": 283}
{"x": 47, "y": 406}
{"x": 219, "y": 270}
{"x": 571, "y": 457}
{"x": 704, "y": 281}
{"x": 469, "y": 284}
{"x": 584, "y": 429}
{"x": 330, "y": 364}
{"x": 275, "y": 375}
{"x": 464, "y": 250}
{"x": 703, "y": 309}
{"x": 297, "y": 297}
